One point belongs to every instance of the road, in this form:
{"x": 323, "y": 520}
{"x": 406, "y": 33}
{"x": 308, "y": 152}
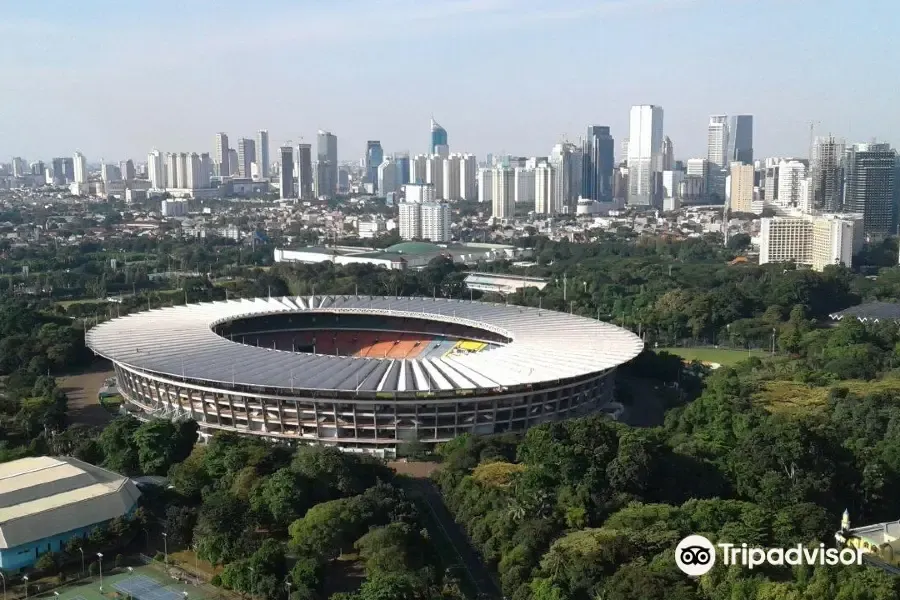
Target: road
{"x": 476, "y": 571}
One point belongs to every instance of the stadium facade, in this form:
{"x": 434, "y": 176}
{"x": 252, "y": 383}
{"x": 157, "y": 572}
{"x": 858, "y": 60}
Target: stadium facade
{"x": 362, "y": 373}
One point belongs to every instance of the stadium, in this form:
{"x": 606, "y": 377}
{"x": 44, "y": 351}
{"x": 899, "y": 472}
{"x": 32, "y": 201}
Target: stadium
{"x": 362, "y": 373}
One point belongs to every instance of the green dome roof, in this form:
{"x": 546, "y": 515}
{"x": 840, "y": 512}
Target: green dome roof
{"x": 414, "y": 248}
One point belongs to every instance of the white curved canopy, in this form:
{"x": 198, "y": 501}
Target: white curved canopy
{"x": 179, "y": 342}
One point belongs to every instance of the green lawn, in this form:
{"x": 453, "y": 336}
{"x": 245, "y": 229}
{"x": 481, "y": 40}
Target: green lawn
{"x": 721, "y": 356}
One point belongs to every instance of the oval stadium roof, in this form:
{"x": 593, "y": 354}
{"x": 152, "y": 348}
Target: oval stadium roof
{"x": 546, "y": 346}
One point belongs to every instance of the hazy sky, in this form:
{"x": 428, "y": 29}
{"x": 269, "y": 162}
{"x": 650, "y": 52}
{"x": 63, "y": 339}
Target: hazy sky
{"x": 118, "y": 78}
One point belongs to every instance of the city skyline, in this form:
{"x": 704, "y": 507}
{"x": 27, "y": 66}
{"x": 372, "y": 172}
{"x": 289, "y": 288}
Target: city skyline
{"x": 50, "y": 69}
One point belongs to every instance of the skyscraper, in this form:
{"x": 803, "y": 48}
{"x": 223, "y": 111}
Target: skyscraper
{"x": 156, "y": 170}
{"x": 305, "y": 180}
{"x": 545, "y": 190}
{"x": 171, "y": 170}
{"x": 791, "y": 174}
{"x": 740, "y": 140}
{"x": 468, "y": 177}
{"x": 387, "y": 177}
{"x": 645, "y": 137}
{"x": 434, "y": 174}
{"x": 439, "y": 144}
{"x": 286, "y": 172}
{"x": 246, "y": 157}
{"x": 668, "y": 155}
{"x": 451, "y": 174}
{"x": 435, "y": 221}
{"x": 193, "y": 172}
{"x": 127, "y": 169}
{"x": 599, "y": 162}
{"x": 503, "y": 192}
{"x": 402, "y": 160}
{"x": 566, "y": 159}
{"x": 326, "y": 164}
{"x": 741, "y": 188}
{"x": 182, "y": 170}
{"x": 827, "y": 172}
{"x": 870, "y": 174}
{"x": 80, "y": 163}
{"x": 262, "y": 153}
{"x": 222, "y": 155}
{"x": 374, "y": 158}
{"x": 418, "y": 168}
{"x": 717, "y": 155}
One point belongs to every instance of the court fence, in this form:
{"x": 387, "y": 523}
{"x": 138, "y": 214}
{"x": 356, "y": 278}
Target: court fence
{"x": 47, "y": 587}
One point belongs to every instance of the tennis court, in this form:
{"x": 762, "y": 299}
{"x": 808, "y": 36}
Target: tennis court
{"x": 143, "y": 582}
{"x": 142, "y": 587}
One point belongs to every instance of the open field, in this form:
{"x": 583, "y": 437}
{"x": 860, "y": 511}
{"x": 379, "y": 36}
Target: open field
{"x": 722, "y": 356}
{"x": 82, "y": 390}
{"x": 790, "y": 397}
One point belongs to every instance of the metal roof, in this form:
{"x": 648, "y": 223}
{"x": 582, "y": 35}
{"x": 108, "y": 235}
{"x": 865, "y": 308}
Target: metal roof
{"x": 43, "y": 497}
{"x": 870, "y": 311}
{"x": 546, "y": 346}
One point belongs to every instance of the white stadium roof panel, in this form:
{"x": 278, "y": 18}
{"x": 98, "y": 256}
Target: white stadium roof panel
{"x": 546, "y": 346}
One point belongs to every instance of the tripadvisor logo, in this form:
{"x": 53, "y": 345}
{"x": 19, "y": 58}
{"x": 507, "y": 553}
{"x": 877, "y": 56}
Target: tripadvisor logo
{"x": 695, "y": 555}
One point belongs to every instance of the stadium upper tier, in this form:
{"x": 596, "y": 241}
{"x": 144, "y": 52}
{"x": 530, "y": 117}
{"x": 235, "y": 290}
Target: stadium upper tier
{"x": 529, "y": 346}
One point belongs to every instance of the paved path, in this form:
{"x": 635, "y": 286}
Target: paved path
{"x": 477, "y": 572}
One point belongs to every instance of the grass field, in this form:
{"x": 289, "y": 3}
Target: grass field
{"x": 722, "y": 356}
{"x": 91, "y": 590}
{"x": 793, "y": 398}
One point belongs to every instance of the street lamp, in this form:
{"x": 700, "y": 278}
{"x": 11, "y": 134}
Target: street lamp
{"x": 25, "y": 577}
{"x": 100, "y": 562}
{"x": 80, "y": 549}
{"x": 287, "y": 584}
{"x": 252, "y": 580}
{"x": 166, "y": 547}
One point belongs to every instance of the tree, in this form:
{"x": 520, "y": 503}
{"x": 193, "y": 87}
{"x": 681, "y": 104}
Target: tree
{"x": 282, "y": 497}
{"x": 117, "y": 443}
{"x": 180, "y": 523}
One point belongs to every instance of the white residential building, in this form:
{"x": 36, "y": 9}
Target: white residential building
{"x": 434, "y": 174}
{"x": 418, "y": 167}
{"x": 485, "y": 184}
{"x": 524, "y": 185}
{"x": 435, "y": 220}
{"x": 80, "y": 163}
{"x": 545, "y": 201}
{"x": 503, "y": 201}
{"x": 418, "y": 193}
{"x": 452, "y": 174}
{"x": 410, "y": 220}
{"x": 156, "y": 170}
{"x": 468, "y": 177}
{"x": 171, "y": 170}
{"x": 791, "y": 174}
{"x": 815, "y": 241}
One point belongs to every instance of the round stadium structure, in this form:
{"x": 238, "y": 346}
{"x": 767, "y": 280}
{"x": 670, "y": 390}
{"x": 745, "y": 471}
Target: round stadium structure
{"x": 362, "y": 373}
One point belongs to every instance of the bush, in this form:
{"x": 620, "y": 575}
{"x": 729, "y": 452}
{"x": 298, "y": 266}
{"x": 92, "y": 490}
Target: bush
{"x": 61, "y": 577}
{"x": 94, "y": 568}
{"x": 46, "y": 563}
{"x": 216, "y": 580}
{"x": 159, "y": 556}
{"x": 120, "y": 561}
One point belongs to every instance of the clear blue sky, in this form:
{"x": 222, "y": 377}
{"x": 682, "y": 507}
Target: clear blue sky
{"x": 118, "y": 78}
